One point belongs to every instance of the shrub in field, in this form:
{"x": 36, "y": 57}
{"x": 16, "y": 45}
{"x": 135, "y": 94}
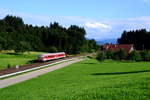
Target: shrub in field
{"x": 8, "y": 66}
{"x": 120, "y": 55}
{"x": 134, "y": 56}
{"x": 101, "y": 56}
{"x": 145, "y": 55}
{"x": 109, "y": 54}
{"x": 115, "y": 56}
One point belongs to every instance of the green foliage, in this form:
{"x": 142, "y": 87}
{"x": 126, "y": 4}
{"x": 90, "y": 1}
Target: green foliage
{"x": 53, "y": 49}
{"x": 134, "y": 56}
{"x": 22, "y": 47}
{"x": 101, "y": 56}
{"x": 109, "y": 54}
{"x": 87, "y": 80}
{"x": 92, "y": 45}
{"x": 8, "y": 66}
{"x": 0, "y": 47}
{"x": 77, "y": 38}
{"x": 140, "y": 39}
{"x": 121, "y": 54}
{"x": 145, "y": 55}
{"x": 14, "y": 34}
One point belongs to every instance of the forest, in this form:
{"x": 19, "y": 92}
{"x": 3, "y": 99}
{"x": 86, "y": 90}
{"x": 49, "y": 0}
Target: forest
{"x": 20, "y": 37}
{"x": 140, "y": 38}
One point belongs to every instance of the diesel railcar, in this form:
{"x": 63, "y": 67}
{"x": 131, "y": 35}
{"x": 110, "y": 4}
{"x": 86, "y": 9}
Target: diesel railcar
{"x": 51, "y": 56}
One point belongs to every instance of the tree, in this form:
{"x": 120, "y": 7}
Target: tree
{"x": 52, "y": 49}
{"x": 122, "y": 54}
{"x": 14, "y": 34}
{"x": 109, "y": 54}
{"x": 0, "y": 47}
{"x": 101, "y": 56}
{"x": 145, "y": 55}
{"x": 22, "y": 47}
{"x": 140, "y": 39}
{"x": 92, "y": 45}
{"x": 134, "y": 56}
{"x": 77, "y": 38}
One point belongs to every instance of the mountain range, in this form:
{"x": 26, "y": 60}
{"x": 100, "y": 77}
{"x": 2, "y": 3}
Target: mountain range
{"x": 110, "y": 41}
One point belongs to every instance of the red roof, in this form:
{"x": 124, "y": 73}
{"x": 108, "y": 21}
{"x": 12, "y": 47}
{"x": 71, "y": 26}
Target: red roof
{"x": 116, "y": 47}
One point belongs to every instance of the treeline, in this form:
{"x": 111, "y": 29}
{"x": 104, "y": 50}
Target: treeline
{"x": 140, "y": 39}
{"x": 15, "y": 35}
{"x": 121, "y": 55}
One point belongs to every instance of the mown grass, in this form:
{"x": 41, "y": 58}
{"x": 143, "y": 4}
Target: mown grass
{"x": 12, "y": 59}
{"x": 87, "y": 80}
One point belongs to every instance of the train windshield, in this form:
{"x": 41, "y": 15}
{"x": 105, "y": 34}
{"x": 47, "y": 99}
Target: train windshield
{"x": 40, "y": 56}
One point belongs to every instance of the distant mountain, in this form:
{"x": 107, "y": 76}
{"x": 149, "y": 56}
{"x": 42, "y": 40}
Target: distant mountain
{"x": 112, "y": 41}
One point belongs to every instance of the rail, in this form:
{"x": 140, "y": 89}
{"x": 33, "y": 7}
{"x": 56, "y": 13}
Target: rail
{"x": 32, "y": 69}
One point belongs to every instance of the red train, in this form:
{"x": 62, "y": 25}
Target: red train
{"x": 51, "y": 56}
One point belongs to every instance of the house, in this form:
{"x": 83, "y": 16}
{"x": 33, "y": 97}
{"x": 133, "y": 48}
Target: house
{"x": 128, "y": 48}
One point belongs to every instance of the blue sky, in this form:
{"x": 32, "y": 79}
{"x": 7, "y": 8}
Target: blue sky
{"x": 102, "y": 19}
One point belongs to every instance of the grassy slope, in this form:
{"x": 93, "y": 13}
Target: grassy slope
{"x": 13, "y": 59}
{"x": 87, "y": 80}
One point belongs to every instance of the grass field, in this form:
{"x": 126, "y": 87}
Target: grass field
{"x": 9, "y": 58}
{"x": 86, "y": 80}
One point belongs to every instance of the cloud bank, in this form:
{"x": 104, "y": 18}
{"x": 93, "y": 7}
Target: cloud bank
{"x": 95, "y": 28}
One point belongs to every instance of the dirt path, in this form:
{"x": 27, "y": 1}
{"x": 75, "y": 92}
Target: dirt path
{"x": 20, "y": 78}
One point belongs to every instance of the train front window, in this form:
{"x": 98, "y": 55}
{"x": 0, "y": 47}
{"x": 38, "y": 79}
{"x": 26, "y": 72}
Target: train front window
{"x": 40, "y": 56}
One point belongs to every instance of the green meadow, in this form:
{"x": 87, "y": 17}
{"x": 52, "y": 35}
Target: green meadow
{"x": 11, "y": 59}
{"x": 86, "y": 80}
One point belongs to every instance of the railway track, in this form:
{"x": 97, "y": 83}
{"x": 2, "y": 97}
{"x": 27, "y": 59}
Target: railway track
{"x": 31, "y": 66}
{"x": 23, "y": 77}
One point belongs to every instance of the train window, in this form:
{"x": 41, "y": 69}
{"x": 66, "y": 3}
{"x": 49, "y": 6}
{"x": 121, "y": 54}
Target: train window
{"x": 51, "y": 56}
{"x": 40, "y": 56}
{"x": 61, "y": 55}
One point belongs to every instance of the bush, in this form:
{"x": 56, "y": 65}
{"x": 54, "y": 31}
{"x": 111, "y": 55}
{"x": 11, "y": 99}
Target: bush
{"x": 145, "y": 55}
{"x": 101, "y": 56}
{"x": 109, "y": 54}
{"x": 120, "y": 55}
{"x": 116, "y": 56}
{"x": 53, "y": 49}
{"x": 22, "y": 47}
{"x": 134, "y": 56}
{"x": 8, "y": 66}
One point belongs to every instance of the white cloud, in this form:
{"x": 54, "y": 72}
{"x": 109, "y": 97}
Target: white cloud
{"x": 118, "y": 26}
{"x": 96, "y": 25}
